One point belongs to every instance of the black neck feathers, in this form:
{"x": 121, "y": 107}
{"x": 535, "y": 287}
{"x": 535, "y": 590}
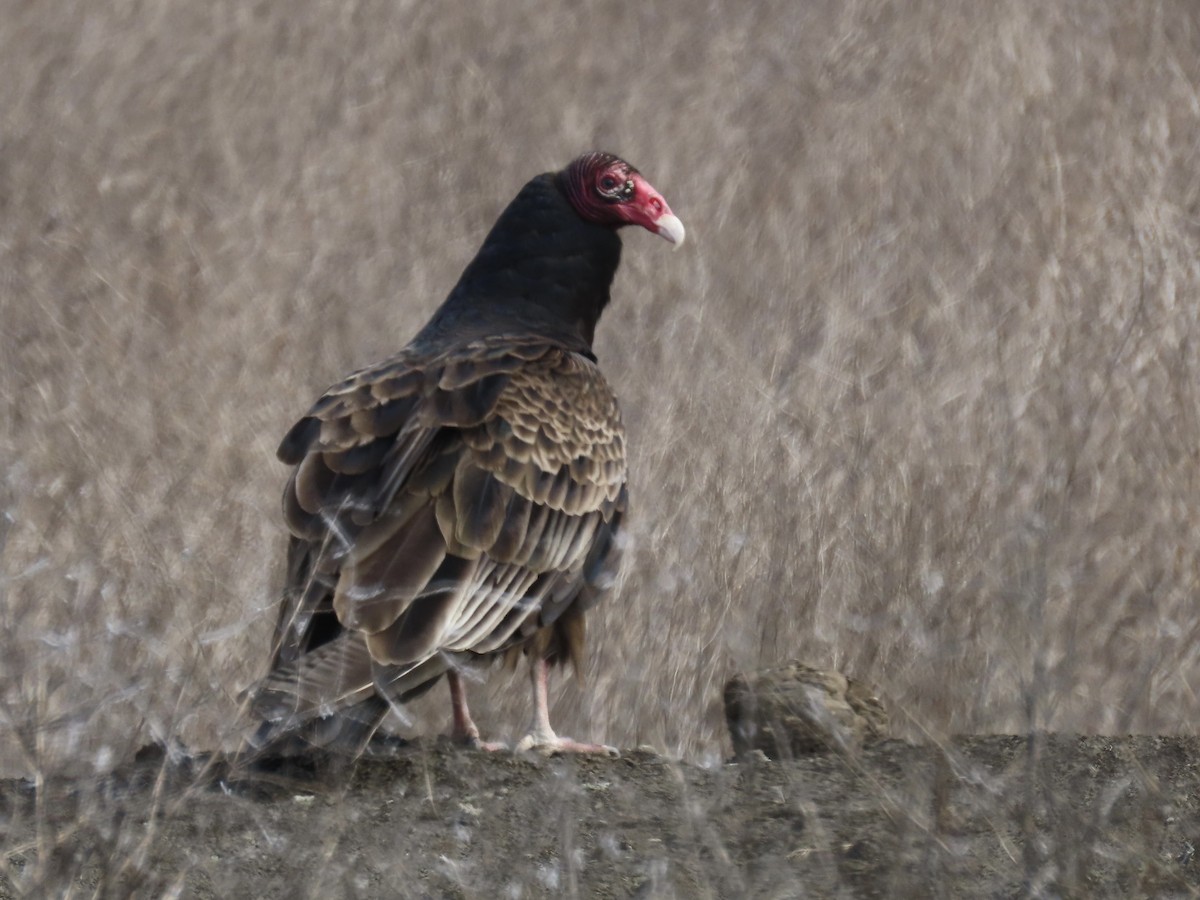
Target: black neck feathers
{"x": 542, "y": 270}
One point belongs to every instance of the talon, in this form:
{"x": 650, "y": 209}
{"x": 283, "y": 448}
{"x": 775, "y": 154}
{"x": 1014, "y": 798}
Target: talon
{"x": 555, "y": 745}
{"x": 487, "y": 746}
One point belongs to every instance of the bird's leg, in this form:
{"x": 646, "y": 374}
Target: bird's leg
{"x": 465, "y": 731}
{"x": 541, "y": 736}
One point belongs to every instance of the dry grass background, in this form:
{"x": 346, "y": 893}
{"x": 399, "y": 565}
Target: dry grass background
{"x": 918, "y": 399}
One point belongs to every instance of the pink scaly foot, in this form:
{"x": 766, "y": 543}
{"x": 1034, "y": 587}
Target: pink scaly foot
{"x": 465, "y": 730}
{"x": 541, "y": 736}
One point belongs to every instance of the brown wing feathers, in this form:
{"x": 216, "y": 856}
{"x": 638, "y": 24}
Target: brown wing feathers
{"x": 454, "y": 505}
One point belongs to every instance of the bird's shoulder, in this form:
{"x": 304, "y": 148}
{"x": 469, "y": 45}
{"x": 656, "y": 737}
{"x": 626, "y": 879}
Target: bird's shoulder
{"x": 548, "y": 403}
{"x": 557, "y": 418}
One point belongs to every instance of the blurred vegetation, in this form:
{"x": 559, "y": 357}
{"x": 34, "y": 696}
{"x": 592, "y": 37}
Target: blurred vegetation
{"x": 917, "y": 400}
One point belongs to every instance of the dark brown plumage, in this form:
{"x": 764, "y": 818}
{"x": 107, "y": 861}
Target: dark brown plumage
{"x": 464, "y": 498}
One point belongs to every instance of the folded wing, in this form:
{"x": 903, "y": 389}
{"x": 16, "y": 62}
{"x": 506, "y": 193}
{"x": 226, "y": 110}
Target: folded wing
{"x": 443, "y": 509}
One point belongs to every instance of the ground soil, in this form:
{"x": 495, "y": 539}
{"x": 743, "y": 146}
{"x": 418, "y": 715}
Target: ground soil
{"x": 993, "y": 816}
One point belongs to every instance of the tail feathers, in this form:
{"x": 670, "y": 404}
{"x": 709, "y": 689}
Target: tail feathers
{"x": 348, "y": 731}
{"x": 335, "y": 676}
{"x": 333, "y": 698}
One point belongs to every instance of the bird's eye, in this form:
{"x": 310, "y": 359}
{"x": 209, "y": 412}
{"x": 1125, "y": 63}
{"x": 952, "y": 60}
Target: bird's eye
{"x": 608, "y": 182}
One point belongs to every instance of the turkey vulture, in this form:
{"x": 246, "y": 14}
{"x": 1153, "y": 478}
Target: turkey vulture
{"x": 465, "y": 498}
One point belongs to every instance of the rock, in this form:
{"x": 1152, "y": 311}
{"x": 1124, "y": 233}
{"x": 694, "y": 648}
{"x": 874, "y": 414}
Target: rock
{"x": 794, "y": 709}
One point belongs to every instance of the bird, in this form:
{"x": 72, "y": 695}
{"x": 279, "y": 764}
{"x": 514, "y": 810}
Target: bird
{"x": 465, "y": 499}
